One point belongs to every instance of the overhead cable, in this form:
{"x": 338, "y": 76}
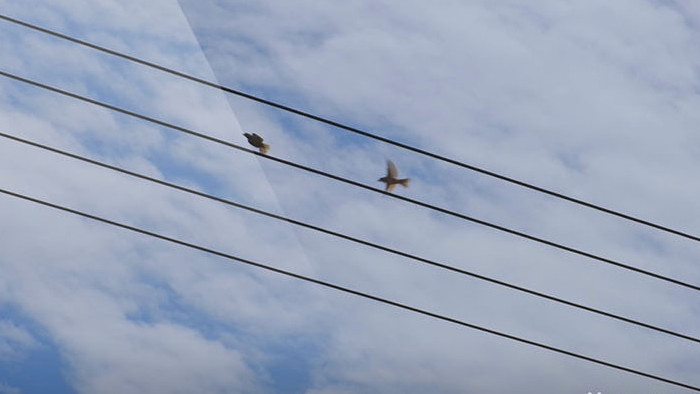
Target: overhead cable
{"x": 349, "y": 238}
{"x": 351, "y": 129}
{"x": 351, "y": 291}
{"x": 354, "y": 183}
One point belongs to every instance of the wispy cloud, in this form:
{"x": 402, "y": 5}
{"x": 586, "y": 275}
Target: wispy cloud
{"x": 591, "y": 98}
{"x": 14, "y": 341}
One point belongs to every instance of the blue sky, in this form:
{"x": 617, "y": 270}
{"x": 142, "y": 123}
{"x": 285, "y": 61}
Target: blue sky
{"x": 35, "y": 365}
{"x": 591, "y": 98}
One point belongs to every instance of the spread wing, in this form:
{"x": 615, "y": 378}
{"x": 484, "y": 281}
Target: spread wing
{"x": 391, "y": 169}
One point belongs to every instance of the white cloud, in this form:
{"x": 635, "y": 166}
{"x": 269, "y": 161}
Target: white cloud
{"x": 591, "y": 98}
{"x": 575, "y": 96}
{"x": 14, "y": 341}
{"x": 88, "y": 286}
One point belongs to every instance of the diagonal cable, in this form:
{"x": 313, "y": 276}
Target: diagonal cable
{"x": 354, "y": 183}
{"x": 350, "y": 238}
{"x": 352, "y": 291}
{"x": 355, "y": 130}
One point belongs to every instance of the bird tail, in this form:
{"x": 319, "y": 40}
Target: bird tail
{"x": 404, "y": 182}
{"x": 264, "y": 148}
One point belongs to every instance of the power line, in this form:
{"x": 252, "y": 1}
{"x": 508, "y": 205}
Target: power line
{"x": 351, "y": 129}
{"x": 354, "y": 183}
{"x": 386, "y": 140}
{"x": 349, "y": 290}
{"x": 347, "y": 237}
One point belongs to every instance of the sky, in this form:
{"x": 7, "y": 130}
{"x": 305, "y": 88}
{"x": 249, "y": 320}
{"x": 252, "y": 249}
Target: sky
{"x": 594, "y": 99}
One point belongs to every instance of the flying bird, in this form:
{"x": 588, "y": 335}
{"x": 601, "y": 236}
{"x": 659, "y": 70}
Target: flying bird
{"x": 391, "y": 178}
{"x": 257, "y": 141}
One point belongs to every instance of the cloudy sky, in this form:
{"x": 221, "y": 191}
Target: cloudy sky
{"x": 595, "y": 99}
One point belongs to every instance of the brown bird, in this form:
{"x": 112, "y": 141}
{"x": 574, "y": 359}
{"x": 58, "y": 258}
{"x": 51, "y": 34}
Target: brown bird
{"x": 257, "y": 141}
{"x": 391, "y": 178}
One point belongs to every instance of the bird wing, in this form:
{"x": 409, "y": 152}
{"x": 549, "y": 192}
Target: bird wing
{"x": 391, "y": 169}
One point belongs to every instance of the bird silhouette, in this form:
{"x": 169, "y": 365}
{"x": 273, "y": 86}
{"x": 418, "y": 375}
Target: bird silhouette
{"x": 391, "y": 178}
{"x": 257, "y": 141}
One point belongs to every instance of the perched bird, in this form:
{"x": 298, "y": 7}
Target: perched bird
{"x": 391, "y": 177}
{"x": 257, "y": 141}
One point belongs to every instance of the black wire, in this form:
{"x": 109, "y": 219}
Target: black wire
{"x": 355, "y": 130}
{"x": 386, "y": 140}
{"x": 347, "y": 237}
{"x": 351, "y": 182}
{"x": 349, "y": 290}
